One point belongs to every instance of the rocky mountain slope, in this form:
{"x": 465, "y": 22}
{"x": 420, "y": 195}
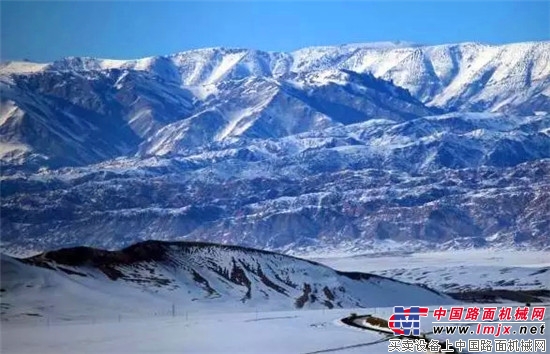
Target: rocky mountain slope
{"x": 155, "y": 276}
{"x": 439, "y": 182}
{"x": 74, "y": 118}
{"x": 357, "y": 146}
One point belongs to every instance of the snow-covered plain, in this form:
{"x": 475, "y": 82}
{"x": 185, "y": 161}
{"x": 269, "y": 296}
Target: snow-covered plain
{"x": 456, "y": 270}
{"x": 478, "y": 257}
{"x": 302, "y": 331}
{"x": 269, "y": 332}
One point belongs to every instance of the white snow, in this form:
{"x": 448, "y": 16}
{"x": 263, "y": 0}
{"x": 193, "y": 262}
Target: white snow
{"x": 467, "y": 73}
{"x": 193, "y": 280}
{"x": 479, "y": 257}
{"x": 226, "y": 64}
{"x": 14, "y": 67}
{"x": 455, "y": 270}
{"x": 253, "y": 332}
{"x": 238, "y": 122}
{"x": 104, "y": 317}
{"x": 262, "y": 332}
{"x": 10, "y": 148}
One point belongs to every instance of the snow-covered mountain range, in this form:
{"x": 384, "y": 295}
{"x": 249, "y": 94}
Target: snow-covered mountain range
{"x": 469, "y": 76}
{"x": 161, "y": 277}
{"x": 386, "y": 145}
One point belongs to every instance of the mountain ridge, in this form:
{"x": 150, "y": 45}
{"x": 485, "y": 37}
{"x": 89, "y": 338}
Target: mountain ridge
{"x": 148, "y": 276}
{"x": 442, "y": 65}
{"x": 379, "y": 44}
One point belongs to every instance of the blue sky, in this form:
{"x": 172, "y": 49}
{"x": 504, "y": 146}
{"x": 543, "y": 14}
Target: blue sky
{"x": 44, "y": 31}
